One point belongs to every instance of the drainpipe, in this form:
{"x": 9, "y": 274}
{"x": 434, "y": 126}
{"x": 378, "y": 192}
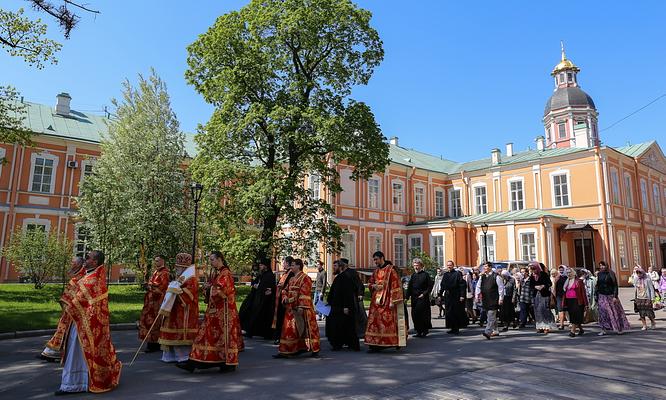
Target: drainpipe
{"x": 604, "y": 203}
{"x": 639, "y": 200}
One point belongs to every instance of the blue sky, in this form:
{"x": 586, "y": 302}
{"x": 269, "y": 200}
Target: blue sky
{"x": 458, "y": 78}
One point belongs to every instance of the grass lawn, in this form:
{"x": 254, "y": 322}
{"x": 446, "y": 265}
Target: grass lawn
{"x": 22, "y": 307}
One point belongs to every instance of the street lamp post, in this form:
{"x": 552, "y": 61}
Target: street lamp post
{"x": 196, "y": 190}
{"x": 484, "y": 229}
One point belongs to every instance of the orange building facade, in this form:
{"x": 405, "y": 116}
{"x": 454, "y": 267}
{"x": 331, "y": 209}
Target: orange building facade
{"x": 570, "y": 201}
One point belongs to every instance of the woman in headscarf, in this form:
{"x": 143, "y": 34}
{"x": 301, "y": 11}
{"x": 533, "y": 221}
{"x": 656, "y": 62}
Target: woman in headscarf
{"x": 575, "y": 301}
{"x": 540, "y": 284}
{"x": 611, "y": 313}
{"x": 558, "y": 277}
{"x": 508, "y": 307}
{"x": 592, "y": 314}
{"x": 643, "y": 297}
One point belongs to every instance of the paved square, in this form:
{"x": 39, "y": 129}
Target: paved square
{"x": 518, "y": 364}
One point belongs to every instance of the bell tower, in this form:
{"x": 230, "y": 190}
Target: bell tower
{"x": 570, "y": 117}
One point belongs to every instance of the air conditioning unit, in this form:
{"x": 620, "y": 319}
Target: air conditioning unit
{"x": 72, "y": 164}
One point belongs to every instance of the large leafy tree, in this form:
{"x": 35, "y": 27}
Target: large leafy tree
{"x": 135, "y": 200}
{"x": 280, "y": 74}
{"x": 23, "y": 37}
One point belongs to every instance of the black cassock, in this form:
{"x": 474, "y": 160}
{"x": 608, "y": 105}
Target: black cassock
{"x": 452, "y": 289}
{"x": 341, "y": 327}
{"x": 420, "y": 284}
{"x": 256, "y": 312}
{"x": 361, "y": 316}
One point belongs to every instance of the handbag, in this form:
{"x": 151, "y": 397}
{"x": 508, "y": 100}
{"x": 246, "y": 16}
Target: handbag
{"x": 552, "y": 302}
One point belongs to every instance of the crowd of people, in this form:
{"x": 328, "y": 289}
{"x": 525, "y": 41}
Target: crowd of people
{"x": 286, "y": 310}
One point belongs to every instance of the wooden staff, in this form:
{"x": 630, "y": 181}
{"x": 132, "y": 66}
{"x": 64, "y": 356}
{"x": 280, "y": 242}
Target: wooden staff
{"x": 144, "y": 339}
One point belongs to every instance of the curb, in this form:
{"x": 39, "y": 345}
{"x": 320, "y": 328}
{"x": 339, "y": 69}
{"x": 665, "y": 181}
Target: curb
{"x": 126, "y": 326}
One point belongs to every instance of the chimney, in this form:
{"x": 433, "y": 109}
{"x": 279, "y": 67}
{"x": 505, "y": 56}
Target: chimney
{"x": 62, "y": 103}
{"x": 394, "y": 141}
{"x": 496, "y": 156}
{"x": 509, "y": 149}
{"x": 541, "y": 143}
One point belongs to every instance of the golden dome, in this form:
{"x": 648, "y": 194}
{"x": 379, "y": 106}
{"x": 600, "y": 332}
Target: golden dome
{"x": 565, "y": 64}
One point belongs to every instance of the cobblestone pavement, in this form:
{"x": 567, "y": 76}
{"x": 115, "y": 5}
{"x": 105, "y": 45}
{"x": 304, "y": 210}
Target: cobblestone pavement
{"x": 518, "y": 364}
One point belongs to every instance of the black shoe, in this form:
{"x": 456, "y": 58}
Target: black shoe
{"x": 487, "y": 336}
{"x": 47, "y": 358}
{"x": 186, "y": 365}
{"x": 315, "y": 354}
{"x": 572, "y": 334}
{"x": 227, "y": 368}
{"x": 424, "y": 334}
{"x": 280, "y": 355}
{"x": 521, "y": 326}
{"x": 581, "y": 332}
{"x": 453, "y": 331}
{"x": 505, "y": 329}
{"x": 62, "y": 393}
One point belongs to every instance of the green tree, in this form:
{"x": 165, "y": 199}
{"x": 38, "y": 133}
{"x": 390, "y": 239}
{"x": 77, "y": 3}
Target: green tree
{"x": 38, "y": 255}
{"x": 135, "y": 199}
{"x": 25, "y": 38}
{"x": 429, "y": 263}
{"x": 280, "y": 75}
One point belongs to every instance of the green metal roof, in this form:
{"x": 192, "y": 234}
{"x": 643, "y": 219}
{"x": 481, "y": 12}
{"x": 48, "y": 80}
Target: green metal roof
{"x": 635, "y": 150}
{"x": 418, "y": 159}
{"x": 521, "y": 215}
{"x": 42, "y": 119}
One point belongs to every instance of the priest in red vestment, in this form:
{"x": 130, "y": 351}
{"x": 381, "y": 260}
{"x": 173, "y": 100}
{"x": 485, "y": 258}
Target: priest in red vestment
{"x": 90, "y": 362}
{"x": 278, "y": 314}
{"x": 386, "y": 317}
{"x": 53, "y": 349}
{"x": 156, "y": 288}
{"x": 300, "y": 332}
{"x": 181, "y": 321}
{"x": 219, "y": 339}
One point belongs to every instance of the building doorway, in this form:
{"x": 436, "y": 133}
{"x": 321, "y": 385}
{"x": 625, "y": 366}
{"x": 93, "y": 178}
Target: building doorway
{"x": 663, "y": 254}
{"x": 584, "y": 254}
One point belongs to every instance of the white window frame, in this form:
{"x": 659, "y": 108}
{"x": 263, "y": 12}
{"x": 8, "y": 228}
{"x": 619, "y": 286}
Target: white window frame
{"x": 491, "y": 249}
{"x": 636, "y": 248}
{"x": 379, "y": 193}
{"x": 418, "y": 236}
{"x": 480, "y": 208}
{"x": 645, "y": 196}
{"x": 452, "y": 214}
{"x": 440, "y": 208}
{"x": 656, "y": 198}
{"x": 85, "y": 163}
{"x": 533, "y": 232}
{"x": 438, "y": 258}
{"x": 554, "y": 197}
{"x": 400, "y": 206}
{"x": 522, "y": 192}
{"x": 37, "y": 221}
{"x": 622, "y": 250}
{"x": 400, "y": 261}
{"x": 559, "y": 131}
{"x": 351, "y": 256}
{"x": 46, "y": 156}
{"x": 420, "y": 206}
{"x": 3, "y": 153}
{"x": 615, "y": 186}
{"x": 627, "y": 182}
{"x": 372, "y": 236}
{"x": 87, "y": 246}
{"x": 314, "y": 184}
{"x": 651, "y": 253}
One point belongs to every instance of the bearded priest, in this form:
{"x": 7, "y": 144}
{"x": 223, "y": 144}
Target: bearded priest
{"x": 89, "y": 362}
